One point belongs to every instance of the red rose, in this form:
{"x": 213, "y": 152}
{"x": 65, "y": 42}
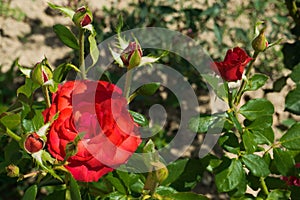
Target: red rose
{"x": 232, "y": 68}
{"x": 98, "y": 110}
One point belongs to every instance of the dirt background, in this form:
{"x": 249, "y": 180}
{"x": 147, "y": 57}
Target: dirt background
{"x": 31, "y": 39}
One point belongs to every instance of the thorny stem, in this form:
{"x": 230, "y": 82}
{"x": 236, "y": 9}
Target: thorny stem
{"x": 46, "y": 95}
{"x": 81, "y": 54}
{"x": 243, "y": 85}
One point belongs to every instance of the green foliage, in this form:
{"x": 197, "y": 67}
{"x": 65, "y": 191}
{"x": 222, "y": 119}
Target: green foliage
{"x": 66, "y": 36}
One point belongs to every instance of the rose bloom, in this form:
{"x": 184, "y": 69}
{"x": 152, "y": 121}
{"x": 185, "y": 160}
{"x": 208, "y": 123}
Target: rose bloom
{"x": 232, "y": 68}
{"x": 98, "y": 110}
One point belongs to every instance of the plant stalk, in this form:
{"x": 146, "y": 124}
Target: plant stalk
{"x": 127, "y": 84}
{"x": 46, "y": 95}
{"x": 81, "y": 54}
{"x": 13, "y": 135}
{"x": 264, "y": 186}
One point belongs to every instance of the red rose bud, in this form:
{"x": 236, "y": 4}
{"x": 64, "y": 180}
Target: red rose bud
{"x": 232, "y": 68}
{"x": 260, "y": 43}
{"x": 12, "y": 170}
{"x": 132, "y": 55}
{"x": 41, "y": 72}
{"x": 82, "y": 17}
{"x": 33, "y": 143}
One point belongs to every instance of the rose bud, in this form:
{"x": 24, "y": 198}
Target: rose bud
{"x": 260, "y": 43}
{"x": 12, "y": 170}
{"x": 132, "y": 55}
{"x": 82, "y": 17}
{"x": 33, "y": 143}
{"x": 41, "y": 73}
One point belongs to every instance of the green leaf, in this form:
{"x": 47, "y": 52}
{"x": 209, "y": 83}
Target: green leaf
{"x": 66, "y": 36}
{"x": 74, "y": 189}
{"x": 264, "y": 136}
{"x": 28, "y": 88}
{"x": 115, "y": 196}
{"x": 295, "y": 74}
{"x": 291, "y": 139}
{"x": 116, "y": 183}
{"x": 256, "y": 108}
{"x": 216, "y": 84}
{"x": 61, "y": 72}
{"x": 241, "y": 189}
{"x": 283, "y": 161}
{"x": 175, "y": 170}
{"x": 235, "y": 121}
{"x": 12, "y": 152}
{"x": 256, "y": 165}
{"x": 192, "y": 173}
{"x": 279, "y": 195}
{"x": 288, "y": 50}
{"x": 204, "y": 123}
{"x": 186, "y": 196}
{"x": 139, "y": 118}
{"x": 67, "y": 11}
{"x": 10, "y": 120}
{"x": 230, "y": 178}
{"x": 230, "y": 142}
{"x": 165, "y": 191}
{"x": 94, "y": 51}
{"x": 255, "y": 82}
{"x": 26, "y": 71}
{"x": 30, "y": 193}
{"x": 292, "y": 103}
{"x": 279, "y": 84}
{"x": 249, "y": 142}
{"x": 148, "y": 89}
{"x": 260, "y": 123}
{"x": 58, "y": 194}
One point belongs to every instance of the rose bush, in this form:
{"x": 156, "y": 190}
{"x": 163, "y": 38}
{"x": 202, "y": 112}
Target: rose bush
{"x": 98, "y": 110}
{"x": 232, "y": 68}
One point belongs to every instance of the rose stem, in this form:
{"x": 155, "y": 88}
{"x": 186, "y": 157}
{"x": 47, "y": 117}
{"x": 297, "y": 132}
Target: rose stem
{"x": 46, "y": 95}
{"x": 81, "y": 53}
{"x": 127, "y": 83}
{"x": 13, "y": 135}
{"x": 263, "y": 185}
{"x": 243, "y": 85}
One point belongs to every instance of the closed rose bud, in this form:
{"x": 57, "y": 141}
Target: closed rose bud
{"x": 41, "y": 73}
{"x": 82, "y": 17}
{"x": 260, "y": 43}
{"x": 132, "y": 55}
{"x": 12, "y": 170}
{"x": 33, "y": 143}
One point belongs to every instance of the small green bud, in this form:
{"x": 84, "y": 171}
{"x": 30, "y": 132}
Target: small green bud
{"x": 12, "y": 170}
{"x": 260, "y": 43}
{"x": 132, "y": 55}
{"x": 41, "y": 73}
{"x": 82, "y": 17}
